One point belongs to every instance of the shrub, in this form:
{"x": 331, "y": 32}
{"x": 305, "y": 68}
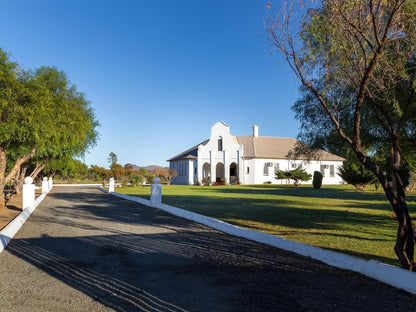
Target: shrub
{"x": 317, "y": 180}
{"x": 296, "y": 175}
{"x": 136, "y": 179}
{"x": 357, "y": 175}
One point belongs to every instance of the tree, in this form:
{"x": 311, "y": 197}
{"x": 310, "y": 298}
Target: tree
{"x": 42, "y": 115}
{"x": 166, "y": 173}
{"x": 112, "y": 158}
{"x": 297, "y": 175}
{"x": 357, "y": 175}
{"x": 100, "y": 172}
{"x": 117, "y": 171}
{"x": 356, "y": 59}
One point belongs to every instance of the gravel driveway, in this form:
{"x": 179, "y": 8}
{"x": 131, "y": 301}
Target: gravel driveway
{"x": 84, "y": 250}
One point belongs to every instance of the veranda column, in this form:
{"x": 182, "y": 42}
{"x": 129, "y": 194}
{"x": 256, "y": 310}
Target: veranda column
{"x": 226, "y": 166}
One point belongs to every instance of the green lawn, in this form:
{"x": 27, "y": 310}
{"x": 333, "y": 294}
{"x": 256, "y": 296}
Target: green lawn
{"x": 333, "y": 217}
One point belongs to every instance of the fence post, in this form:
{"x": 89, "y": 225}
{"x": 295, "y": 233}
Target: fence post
{"x": 111, "y": 185}
{"x": 28, "y": 194}
{"x": 50, "y": 183}
{"x": 45, "y": 185}
{"x": 156, "y": 192}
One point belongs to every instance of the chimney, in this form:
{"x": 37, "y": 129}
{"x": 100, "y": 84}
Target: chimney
{"x": 255, "y": 131}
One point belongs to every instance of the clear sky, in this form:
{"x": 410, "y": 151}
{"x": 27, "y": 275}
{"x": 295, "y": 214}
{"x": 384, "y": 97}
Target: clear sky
{"x": 159, "y": 74}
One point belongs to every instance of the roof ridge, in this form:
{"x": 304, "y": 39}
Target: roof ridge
{"x": 187, "y": 151}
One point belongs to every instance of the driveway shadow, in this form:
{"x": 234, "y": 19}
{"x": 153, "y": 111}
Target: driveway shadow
{"x": 135, "y": 258}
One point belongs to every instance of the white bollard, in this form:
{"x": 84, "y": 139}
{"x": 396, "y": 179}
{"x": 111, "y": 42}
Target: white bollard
{"x": 156, "y": 192}
{"x": 50, "y": 183}
{"x": 111, "y": 185}
{"x": 28, "y": 194}
{"x": 45, "y": 185}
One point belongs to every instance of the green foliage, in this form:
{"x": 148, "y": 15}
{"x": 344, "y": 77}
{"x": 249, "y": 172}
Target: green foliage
{"x": 66, "y": 167}
{"x": 117, "y": 170}
{"x": 297, "y": 175}
{"x": 112, "y": 158}
{"x": 357, "y": 175}
{"x": 100, "y": 173}
{"x": 357, "y": 61}
{"x": 317, "y": 180}
{"x": 42, "y": 116}
{"x": 136, "y": 179}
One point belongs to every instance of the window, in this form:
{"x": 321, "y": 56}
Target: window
{"x": 322, "y": 170}
{"x": 294, "y": 166}
{"x": 276, "y": 167}
{"x": 220, "y": 144}
{"x": 331, "y": 171}
{"x": 248, "y": 170}
{"x": 266, "y": 169}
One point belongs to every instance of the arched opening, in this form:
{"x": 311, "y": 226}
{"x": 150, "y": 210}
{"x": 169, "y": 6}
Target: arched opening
{"x": 220, "y": 173}
{"x": 206, "y": 173}
{"x": 233, "y": 173}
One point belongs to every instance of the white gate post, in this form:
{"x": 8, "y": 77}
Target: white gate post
{"x": 111, "y": 185}
{"x": 50, "y": 183}
{"x": 156, "y": 192}
{"x": 28, "y": 194}
{"x": 45, "y": 185}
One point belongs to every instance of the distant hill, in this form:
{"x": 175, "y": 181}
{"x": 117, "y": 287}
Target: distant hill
{"x": 148, "y": 168}
{"x": 152, "y": 167}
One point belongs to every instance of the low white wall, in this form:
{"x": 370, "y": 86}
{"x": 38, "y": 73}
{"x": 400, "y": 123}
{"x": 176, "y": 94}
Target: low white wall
{"x": 386, "y": 273}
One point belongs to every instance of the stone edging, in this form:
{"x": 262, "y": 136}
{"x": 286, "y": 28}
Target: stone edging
{"x": 10, "y": 230}
{"x": 383, "y": 272}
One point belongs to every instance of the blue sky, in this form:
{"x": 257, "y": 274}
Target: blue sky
{"x": 159, "y": 74}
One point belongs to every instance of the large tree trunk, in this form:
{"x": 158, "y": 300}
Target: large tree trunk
{"x": 404, "y": 247}
{"x": 395, "y": 193}
{"x": 20, "y": 177}
{"x": 4, "y": 179}
{"x": 39, "y": 167}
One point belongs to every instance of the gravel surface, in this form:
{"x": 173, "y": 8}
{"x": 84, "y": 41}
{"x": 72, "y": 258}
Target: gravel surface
{"x": 84, "y": 250}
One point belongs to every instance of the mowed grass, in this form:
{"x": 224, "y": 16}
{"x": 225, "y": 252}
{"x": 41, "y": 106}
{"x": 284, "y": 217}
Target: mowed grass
{"x": 334, "y": 217}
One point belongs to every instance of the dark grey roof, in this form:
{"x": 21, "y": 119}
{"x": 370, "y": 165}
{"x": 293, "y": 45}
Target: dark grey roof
{"x": 191, "y": 153}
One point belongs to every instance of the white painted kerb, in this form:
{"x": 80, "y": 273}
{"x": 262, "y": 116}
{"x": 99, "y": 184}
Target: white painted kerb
{"x": 386, "y": 273}
{"x": 10, "y": 230}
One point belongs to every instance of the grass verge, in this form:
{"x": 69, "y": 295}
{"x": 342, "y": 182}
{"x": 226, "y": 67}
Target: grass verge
{"x": 334, "y": 217}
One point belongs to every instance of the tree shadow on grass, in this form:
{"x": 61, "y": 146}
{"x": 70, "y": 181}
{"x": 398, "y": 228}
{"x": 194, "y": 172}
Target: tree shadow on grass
{"x": 304, "y": 191}
{"x": 276, "y": 212}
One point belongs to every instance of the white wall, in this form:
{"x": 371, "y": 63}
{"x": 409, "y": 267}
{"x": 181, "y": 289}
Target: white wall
{"x": 209, "y": 153}
{"x": 257, "y": 174}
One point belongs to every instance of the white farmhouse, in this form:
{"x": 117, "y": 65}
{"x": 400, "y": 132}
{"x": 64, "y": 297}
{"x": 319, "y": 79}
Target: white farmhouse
{"x": 247, "y": 159}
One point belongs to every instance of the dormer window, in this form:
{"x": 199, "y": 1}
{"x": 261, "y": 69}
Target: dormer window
{"x": 220, "y": 144}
